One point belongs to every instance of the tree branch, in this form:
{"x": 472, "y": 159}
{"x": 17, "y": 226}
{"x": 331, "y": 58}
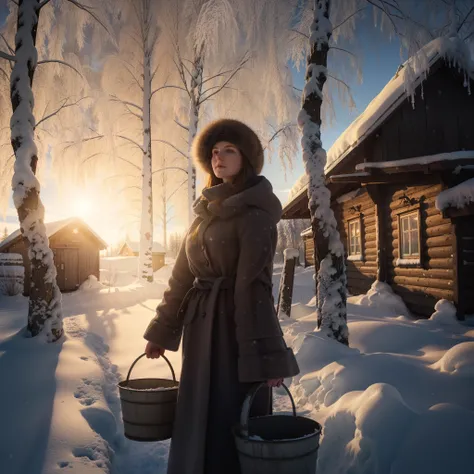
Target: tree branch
{"x": 12, "y": 51}
{"x": 133, "y": 142}
{"x": 177, "y": 122}
{"x": 348, "y": 18}
{"x": 169, "y": 168}
{"x": 465, "y": 18}
{"x": 6, "y": 56}
{"x": 168, "y": 87}
{"x": 46, "y": 61}
{"x": 172, "y": 146}
{"x": 129, "y": 162}
{"x": 43, "y": 3}
{"x": 114, "y": 98}
{"x": 63, "y": 106}
{"x": 88, "y": 10}
{"x": 342, "y": 49}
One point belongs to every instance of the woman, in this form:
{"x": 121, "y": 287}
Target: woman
{"x": 220, "y": 292}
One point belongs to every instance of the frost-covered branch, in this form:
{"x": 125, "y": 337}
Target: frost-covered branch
{"x": 465, "y": 19}
{"x": 47, "y": 61}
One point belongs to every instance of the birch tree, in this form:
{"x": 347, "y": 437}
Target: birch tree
{"x": 329, "y": 251}
{"x": 198, "y": 30}
{"x": 44, "y": 311}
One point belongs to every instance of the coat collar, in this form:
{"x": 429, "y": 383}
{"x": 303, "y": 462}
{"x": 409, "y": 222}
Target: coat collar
{"x": 221, "y": 200}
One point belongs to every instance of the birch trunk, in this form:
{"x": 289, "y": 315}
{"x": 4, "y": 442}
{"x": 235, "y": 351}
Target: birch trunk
{"x": 145, "y": 265}
{"x": 194, "y": 106}
{"x": 44, "y": 309}
{"x": 331, "y": 280}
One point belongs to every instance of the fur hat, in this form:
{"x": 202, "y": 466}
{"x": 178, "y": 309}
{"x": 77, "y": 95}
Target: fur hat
{"x": 232, "y": 131}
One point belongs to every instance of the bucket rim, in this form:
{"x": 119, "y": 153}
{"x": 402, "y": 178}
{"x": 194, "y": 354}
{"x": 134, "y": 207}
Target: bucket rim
{"x": 125, "y": 387}
{"x": 237, "y": 430}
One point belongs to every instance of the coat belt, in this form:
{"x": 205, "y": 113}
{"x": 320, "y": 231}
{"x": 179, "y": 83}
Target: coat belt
{"x": 211, "y": 285}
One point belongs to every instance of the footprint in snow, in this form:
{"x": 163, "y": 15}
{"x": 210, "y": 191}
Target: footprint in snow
{"x": 84, "y": 358}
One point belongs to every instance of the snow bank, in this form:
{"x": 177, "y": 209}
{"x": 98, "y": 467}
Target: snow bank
{"x": 445, "y": 313}
{"x": 91, "y": 284}
{"x": 458, "y": 196}
{"x": 381, "y": 296}
{"x": 458, "y": 360}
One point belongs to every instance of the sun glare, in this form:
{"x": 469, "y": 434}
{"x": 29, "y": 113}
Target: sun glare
{"x": 83, "y": 208}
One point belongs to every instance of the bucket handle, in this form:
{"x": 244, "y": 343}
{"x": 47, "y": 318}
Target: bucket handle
{"x": 144, "y": 354}
{"x": 245, "y": 414}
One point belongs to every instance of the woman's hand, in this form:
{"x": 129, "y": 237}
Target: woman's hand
{"x": 153, "y": 351}
{"x": 275, "y": 382}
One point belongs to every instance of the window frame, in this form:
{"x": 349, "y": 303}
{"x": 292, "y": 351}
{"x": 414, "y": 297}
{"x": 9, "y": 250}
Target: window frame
{"x": 360, "y": 257}
{"x": 410, "y": 261}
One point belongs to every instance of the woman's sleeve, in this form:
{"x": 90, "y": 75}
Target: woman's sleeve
{"x": 166, "y": 327}
{"x": 263, "y": 353}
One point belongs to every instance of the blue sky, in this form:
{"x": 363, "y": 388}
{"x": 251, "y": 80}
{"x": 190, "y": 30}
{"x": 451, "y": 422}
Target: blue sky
{"x": 380, "y": 59}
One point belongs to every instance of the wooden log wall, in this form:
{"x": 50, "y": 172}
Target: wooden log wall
{"x": 465, "y": 248}
{"x": 360, "y": 274}
{"x": 422, "y": 286}
{"x": 308, "y": 250}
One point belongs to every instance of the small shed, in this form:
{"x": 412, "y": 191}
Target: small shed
{"x": 402, "y": 190}
{"x": 75, "y": 247}
{"x": 130, "y": 249}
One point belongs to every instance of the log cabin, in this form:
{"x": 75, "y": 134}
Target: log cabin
{"x": 402, "y": 187}
{"x": 76, "y": 248}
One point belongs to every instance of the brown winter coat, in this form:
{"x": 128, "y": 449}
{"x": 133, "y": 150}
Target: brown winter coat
{"x": 220, "y": 291}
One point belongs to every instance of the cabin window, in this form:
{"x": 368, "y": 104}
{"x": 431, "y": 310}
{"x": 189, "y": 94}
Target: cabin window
{"x": 355, "y": 239}
{"x": 409, "y": 234}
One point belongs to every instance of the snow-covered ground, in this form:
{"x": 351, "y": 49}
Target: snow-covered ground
{"x": 399, "y": 400}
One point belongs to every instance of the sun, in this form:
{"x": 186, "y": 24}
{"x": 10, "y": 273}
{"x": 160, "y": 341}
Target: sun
{"x": 84, "y": 208}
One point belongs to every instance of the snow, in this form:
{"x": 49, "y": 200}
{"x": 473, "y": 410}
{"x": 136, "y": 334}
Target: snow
{"x": 420, "y": 160}
{"x": 398, "y": 400}
{"x": 458, "y": 196}
{"x": 135, "y": 247}
{"x": 291, "y": 253}
{"x": 51, "y": 229}
{"x": 407, "y": 262}
{"x": 381, "y": 296}
{"x": 401, "y": 87}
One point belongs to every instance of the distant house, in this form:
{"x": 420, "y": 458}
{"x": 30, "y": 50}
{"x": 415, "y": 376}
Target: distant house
{"x": 402, "y": 190}
{"x": 130, "y": 249}
{"x": 75, "y": 247}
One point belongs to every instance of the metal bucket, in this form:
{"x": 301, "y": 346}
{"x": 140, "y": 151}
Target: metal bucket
{"x": 148, "y": 406}
{"x": 276, "y": 444}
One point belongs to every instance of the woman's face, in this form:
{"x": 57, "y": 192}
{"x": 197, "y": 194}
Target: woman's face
{"x": 226, "y": 161}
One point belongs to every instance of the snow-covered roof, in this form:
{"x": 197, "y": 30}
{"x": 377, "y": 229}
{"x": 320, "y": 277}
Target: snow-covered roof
{"x": 398, "y": 89}
{"x": 458, "y": 196}
{"x": 51, "y": 229}
{"x": 135, "y": 246}
{"x": 421, "y": 160}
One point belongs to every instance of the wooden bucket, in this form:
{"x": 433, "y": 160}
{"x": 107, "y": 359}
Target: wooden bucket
{"x": 276, "y": 444}
{"x": 148, "y": 406}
